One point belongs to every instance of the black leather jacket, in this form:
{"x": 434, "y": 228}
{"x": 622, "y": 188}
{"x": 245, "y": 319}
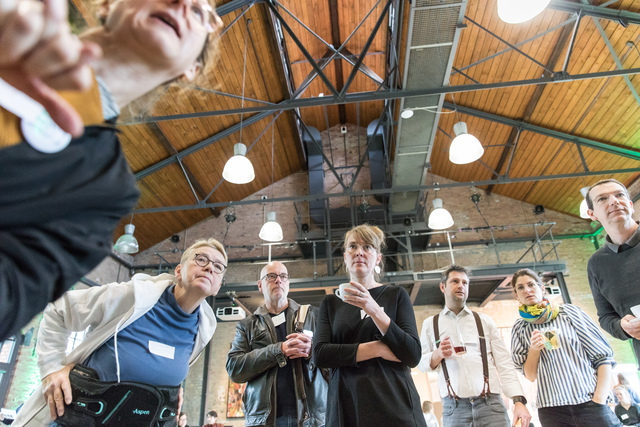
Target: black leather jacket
{"x": 254, "y": 358}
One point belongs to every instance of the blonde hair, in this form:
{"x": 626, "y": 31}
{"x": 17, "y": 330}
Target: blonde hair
{"x": 624, "y": 391}
{"x": 370, "y": 234}
{"x": 211, "y": 243}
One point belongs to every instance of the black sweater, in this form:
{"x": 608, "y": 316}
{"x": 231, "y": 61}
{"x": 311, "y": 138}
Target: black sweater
{"x": 376, "y": 391}
{"x": 614, "y": 276}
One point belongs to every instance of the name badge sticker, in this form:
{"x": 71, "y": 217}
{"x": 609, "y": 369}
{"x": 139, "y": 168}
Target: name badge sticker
{"x": 39, "y": 130}
{"x": 365, "y": 315}
{"x": 44, "y": 135}
{"x": 278, "y": 320}
{"x": 162, "y": 350}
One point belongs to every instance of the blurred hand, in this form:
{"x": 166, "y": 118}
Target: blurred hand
{"x": 631, "y": 328}
{"x": 446, "y": 348}
{"x": 297, "y": 345}
{"x": 537, "y": 340}
{"x": 180, "y": 401}
{"x": 39, "y": 55}
{"x": 520, "y": 412}
{"x": 56, "y": 390}
{"x": 360, "y": 297}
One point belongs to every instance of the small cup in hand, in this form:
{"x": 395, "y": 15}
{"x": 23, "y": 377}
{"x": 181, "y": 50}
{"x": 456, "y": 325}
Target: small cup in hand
{"x": 340, "y": 293}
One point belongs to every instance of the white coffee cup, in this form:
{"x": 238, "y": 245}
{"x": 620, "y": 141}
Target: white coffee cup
{"x": 340, "y": 293}
{"x": 636, "y": 310}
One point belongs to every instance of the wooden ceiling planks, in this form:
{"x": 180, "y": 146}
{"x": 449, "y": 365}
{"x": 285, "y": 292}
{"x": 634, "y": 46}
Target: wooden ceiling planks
{"x": 572, "y": 107}
{"x": 600, "y": 109}
{"x": 141, "y": 147}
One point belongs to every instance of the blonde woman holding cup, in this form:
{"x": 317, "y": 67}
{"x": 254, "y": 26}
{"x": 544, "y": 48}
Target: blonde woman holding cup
{"x": 368, "y": 337}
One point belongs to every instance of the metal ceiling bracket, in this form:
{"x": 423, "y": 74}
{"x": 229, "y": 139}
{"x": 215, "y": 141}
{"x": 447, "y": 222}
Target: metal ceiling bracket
{"x": 301, "y": 46}
{"x": 522, "y": 43}
{"x": 365, "y": 49}
{"x": 572, "y": 41}
{"x": 512, "y": 46}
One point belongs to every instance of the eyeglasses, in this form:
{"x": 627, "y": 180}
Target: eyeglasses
{"x": 366, "y": 247}
{"x": 271, "y": 277}
{"x": 202, "y": 260}
{"x": 205, "y": 15}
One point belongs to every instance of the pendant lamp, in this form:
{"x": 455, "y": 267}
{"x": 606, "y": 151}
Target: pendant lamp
{"x": 465, "y": 148}
{"x": 440, "y": 218}
{"x": 127, "y": 243}
{"x": 518, "y": 11}
{"x": 271, "y": 230}
{"x": 238, "y": 169}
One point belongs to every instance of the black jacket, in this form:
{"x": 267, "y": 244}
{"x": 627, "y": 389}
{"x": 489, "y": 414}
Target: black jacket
{"x": 254, "y": 358}
{"x": 57, "y": 216}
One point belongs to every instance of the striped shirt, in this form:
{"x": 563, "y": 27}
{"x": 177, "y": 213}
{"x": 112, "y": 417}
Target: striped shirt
{"x": 566, "y": 375}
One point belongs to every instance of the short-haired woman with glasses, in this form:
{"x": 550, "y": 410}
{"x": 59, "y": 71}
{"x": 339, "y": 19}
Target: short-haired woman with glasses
{"x": 369, "y": 339}
{"x": 148, "y": 330}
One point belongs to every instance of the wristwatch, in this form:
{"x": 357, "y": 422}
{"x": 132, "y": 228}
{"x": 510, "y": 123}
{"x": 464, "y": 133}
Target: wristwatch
{"x": 519, "y": 399}
{"x": 280, "y": 357}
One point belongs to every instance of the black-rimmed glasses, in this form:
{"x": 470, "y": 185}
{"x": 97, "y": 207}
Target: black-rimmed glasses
{"x": 271, "y": 277}
{"x": 202, "y": 260}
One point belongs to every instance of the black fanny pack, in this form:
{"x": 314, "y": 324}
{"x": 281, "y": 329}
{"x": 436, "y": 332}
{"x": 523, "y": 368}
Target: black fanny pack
{"x": 127, "y": 403}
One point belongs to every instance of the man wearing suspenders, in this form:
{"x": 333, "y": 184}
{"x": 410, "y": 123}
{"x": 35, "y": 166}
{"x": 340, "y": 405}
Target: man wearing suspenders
{"x": 473, "y": 364}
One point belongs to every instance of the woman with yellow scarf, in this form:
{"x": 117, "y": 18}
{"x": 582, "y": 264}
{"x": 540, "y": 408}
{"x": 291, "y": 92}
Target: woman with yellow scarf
{"x": 561, "y": 347}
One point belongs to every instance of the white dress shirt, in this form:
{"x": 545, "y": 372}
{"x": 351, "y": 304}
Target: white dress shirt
{"x": 465, "y": 371}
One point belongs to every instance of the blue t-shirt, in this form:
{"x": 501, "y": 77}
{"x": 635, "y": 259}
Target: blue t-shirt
{"x": 155, "y": 349}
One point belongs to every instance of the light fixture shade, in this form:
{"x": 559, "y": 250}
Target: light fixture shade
{"x": 127, "y": 244}
{"x": 440, "y": 218}
{"x": 238, "y": 169}
{"x": 271, "y": 230}
{"x": 406, "y": 114}
{"x": 518, "y": 11}
{"x": 465, "y": 148}
{"x": 583, "y": 205}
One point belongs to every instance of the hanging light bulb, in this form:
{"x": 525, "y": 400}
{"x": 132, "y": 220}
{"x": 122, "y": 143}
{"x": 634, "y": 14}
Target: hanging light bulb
{"x": 406, "y": 114}
{"x": 440, "y": 218}
{"x": 583, "y": 205}
{"x": 518, "y": 11}
{"x": 238, "y": 169}
{"x": 271, "y": 230}
{"x": 127, "y": 244}
{"x": 465, "y": 148}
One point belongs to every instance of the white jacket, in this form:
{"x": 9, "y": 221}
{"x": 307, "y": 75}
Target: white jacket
{"x": 107, "y": 310}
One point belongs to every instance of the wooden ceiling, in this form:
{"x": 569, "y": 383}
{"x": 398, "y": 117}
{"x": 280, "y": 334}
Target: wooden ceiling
{"x": 600, "y": 109}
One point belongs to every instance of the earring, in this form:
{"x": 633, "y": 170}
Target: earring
{"x": 376, "y": 269}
